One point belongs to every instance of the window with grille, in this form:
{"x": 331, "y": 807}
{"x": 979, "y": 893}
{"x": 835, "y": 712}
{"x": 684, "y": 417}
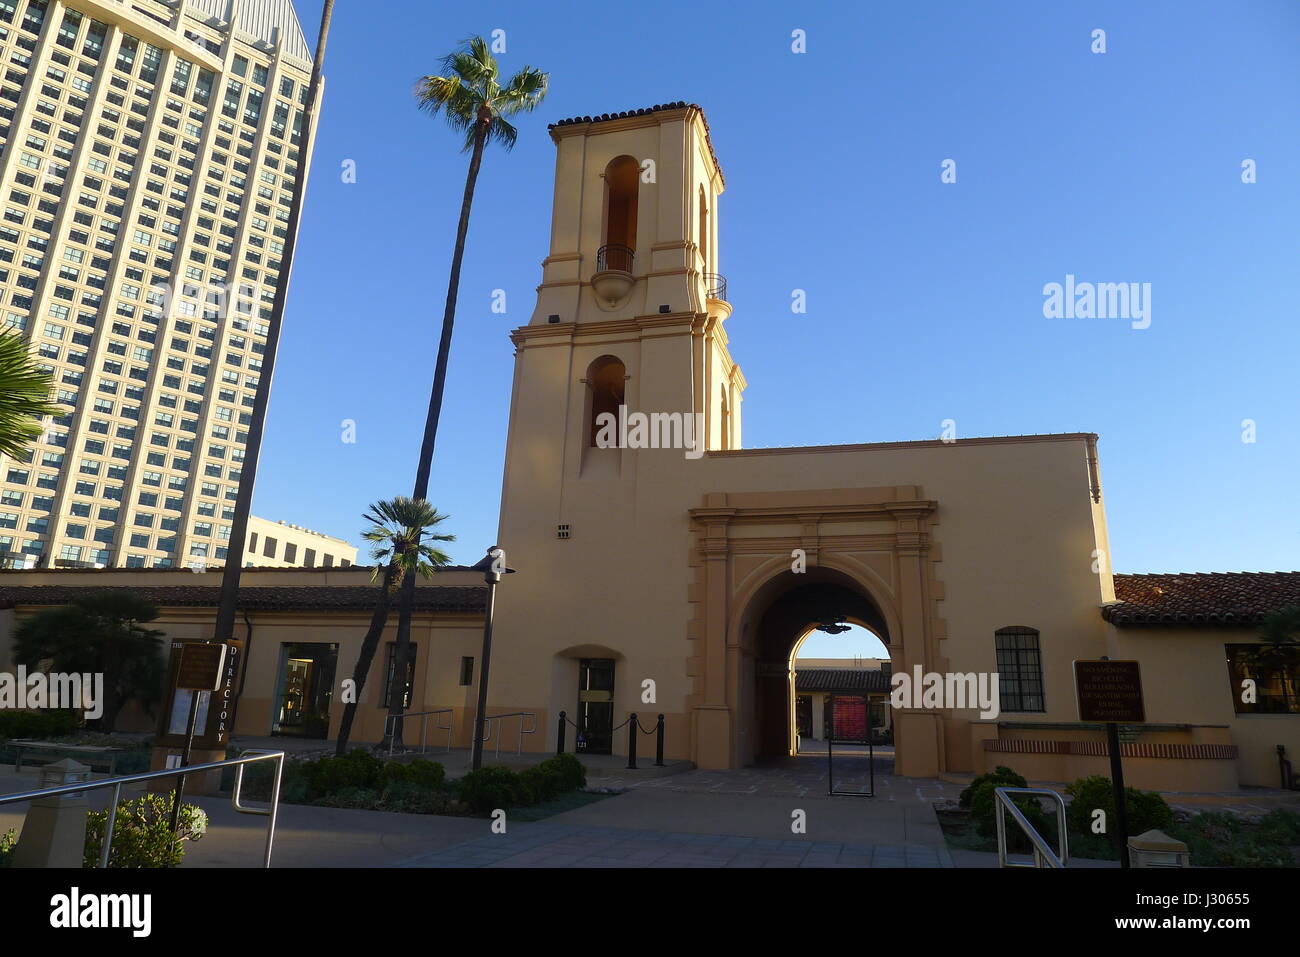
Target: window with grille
{"x": 1020, "y": 669}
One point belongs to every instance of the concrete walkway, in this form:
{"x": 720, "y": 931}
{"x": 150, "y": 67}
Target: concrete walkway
{"x": 557, "y": 843}
{"x": 693, "y": 818}
{"x": 305, "y": 836}
{"x": 741, "y": 818}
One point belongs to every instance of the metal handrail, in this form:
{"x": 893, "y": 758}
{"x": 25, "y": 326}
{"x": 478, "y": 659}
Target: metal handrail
{"x": 247, "y": 757}
{"x": 715, "y": 286}
{"x": 1043, "y": 853}
{"x": 615, "y": 256}
{"x": 424, "y": 720}
{"x": 523, "y": 729}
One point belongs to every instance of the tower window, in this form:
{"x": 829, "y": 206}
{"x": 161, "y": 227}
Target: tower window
{"x": 606, "y": 378}
{"x": 622, "y": 185}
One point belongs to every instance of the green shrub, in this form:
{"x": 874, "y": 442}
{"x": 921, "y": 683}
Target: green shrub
{"x": 1220, "y": 839}
{"x": 572, "y": 773}
{"x": 8, "y": 841}
{"x": 38, "y": 724}
{"x": 981, "y": 799}
{"x": 1002, "y": 775}
{"x": 984, "y": 812}
{"x": 539, "y": 784}
{"x": 490, "y": 788}
{"x": 1146, "y": 809}
{"x": 142, "y": 834}
{"x": 1280, "y": 826}
{"x": 365, "y": 798}
{"x": 429, "y": 775}
{"x": 356, "y": 769}
{"x": 411, "y": 798}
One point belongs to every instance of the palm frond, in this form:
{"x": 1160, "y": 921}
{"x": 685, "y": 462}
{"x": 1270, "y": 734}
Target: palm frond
{"x": 24, "y": 396}
{"x": 470, "y": 90}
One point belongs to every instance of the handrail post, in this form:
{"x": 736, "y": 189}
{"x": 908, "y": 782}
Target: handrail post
{"x": 108, "y": 827}
{"x": 1042, "y": 853}
{"x": 275, "y": 809}
{"x": 659, "y": 742}
{"x": 559, "y": 738}
{"x": 632, "y": 731}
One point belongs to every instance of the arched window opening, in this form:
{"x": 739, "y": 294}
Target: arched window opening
{"x": 607, "y": 379}
{"x": 622, "y": 185}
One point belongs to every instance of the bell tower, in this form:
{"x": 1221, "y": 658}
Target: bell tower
{"x": 629, "y": 322}
{"x": 629, "y": 318}
{"x": 634, "y": 228}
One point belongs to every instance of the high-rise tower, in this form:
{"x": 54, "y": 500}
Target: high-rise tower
{"x": 150, "y": 152}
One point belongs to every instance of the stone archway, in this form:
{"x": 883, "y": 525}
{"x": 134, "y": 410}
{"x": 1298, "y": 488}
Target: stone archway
{"x": 784, "y": 612}
{"x": 872, "y": 547}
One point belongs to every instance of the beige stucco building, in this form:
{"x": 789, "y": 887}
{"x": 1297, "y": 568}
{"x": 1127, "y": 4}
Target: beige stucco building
{"x": 281, "y": 545}
{"x": 680, "y": 580}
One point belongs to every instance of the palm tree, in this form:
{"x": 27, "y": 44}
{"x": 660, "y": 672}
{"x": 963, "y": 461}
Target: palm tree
{"x": 24, "y": 396}
{"x": 101, "y": 632}
{"x": 399, "y": 529}
{"x": 473, "y": 101}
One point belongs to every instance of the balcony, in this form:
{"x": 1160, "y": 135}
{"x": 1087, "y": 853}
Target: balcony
{"x": 715, "y": 286}
{"x": 613, "y": 278}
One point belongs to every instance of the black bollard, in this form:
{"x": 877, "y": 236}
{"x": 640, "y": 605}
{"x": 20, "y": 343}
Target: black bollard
{"x": 559, "y": 738}
{"x": 659, "y": 742}
{"x": 632, "y": 732}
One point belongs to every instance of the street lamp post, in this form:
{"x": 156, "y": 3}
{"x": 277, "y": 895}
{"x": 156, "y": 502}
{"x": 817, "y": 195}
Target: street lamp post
{"x": 493, "y": 566}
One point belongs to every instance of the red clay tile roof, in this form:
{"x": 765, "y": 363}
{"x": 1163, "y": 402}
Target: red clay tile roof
{"x": 645, "y": 111}
{"x": 841, "y": 680}
{"x": 447, "y": 598}
{"x": 1224, "y": 599}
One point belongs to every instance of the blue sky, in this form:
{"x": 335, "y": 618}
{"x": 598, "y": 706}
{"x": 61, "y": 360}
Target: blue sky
{"x": 1115, "y": 167}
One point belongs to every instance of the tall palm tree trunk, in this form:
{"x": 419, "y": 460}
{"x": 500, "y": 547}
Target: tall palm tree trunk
{"x": 406, "y": 599}
{"x": 228, "y": 600}
{"x": 369, "y": 644}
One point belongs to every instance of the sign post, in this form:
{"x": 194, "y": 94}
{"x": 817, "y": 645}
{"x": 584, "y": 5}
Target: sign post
{"x": 1110, "y": 692}
{"x": 199, "y": 671}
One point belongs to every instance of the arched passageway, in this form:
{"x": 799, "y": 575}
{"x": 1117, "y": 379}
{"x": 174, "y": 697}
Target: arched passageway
{"x": 781, "y": 615}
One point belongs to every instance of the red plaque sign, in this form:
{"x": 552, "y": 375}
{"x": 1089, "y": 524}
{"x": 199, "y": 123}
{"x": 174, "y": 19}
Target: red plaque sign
{"x": 1109, "y": 691}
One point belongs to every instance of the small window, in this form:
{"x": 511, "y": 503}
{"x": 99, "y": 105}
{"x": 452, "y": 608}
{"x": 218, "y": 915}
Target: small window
{"x": 562, "y": 531}
{"x": 466, "y": 672}
{"x": 1020, "y": 669}
{"x": 290, "y": 552}
{"x": 309, "y": 558}
{"x": 269, "y": 546}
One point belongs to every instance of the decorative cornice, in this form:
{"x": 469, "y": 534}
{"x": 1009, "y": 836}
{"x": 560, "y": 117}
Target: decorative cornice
{"x": 907, "y": 444}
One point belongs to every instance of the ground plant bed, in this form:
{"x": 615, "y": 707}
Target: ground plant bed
{"x": 362, "y": 780}
{"x": 1215, "y": 838}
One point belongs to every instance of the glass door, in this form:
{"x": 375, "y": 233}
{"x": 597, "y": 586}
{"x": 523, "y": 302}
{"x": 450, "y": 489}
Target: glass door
{"x": 595, "y": 706}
